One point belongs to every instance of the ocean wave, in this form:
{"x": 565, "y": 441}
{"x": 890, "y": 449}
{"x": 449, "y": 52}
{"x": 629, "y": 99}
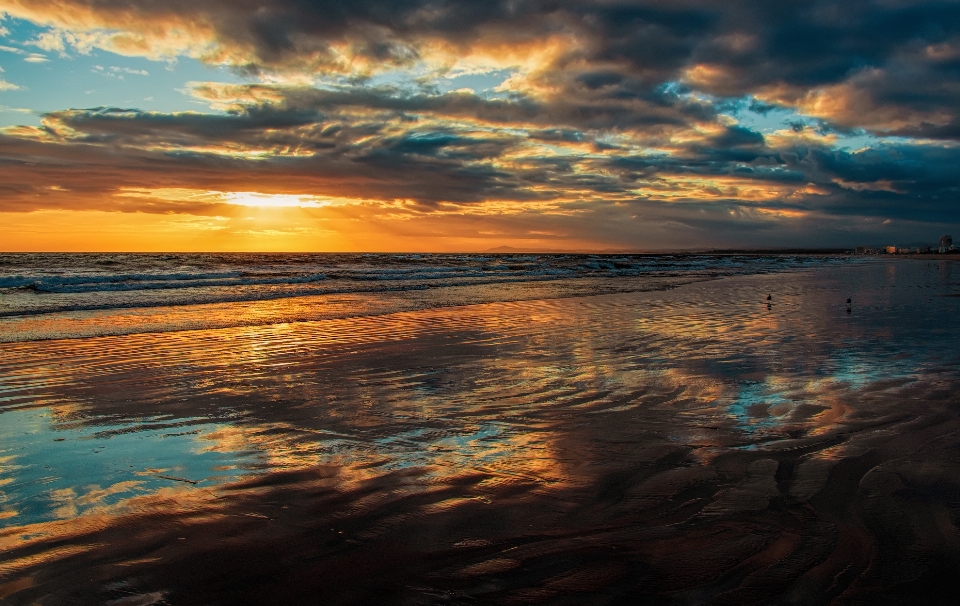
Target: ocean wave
{"x": 168, "y": 284}
{"x": 50, "y": 282}
{"x": 90, "y": 283}
{"x": 209, "y": 297}
{"x": 34, "y": 284}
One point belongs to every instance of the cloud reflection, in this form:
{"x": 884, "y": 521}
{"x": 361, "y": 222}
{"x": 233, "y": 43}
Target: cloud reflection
{"x": 497, "y": 439}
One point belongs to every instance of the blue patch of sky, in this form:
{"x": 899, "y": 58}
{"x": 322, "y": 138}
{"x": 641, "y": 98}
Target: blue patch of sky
{"x": 750, "y": 112}
{"x": 483, "y": 84}
{"x": 419, "y": 80}
{"x": 49, "y": 81}
{"x": 767, "y": 119}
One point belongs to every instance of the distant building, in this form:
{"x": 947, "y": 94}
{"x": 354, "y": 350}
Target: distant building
{"x": 861, "y": 250}
{"x": 891, "y": 250}
{"x": 946, "y": 243}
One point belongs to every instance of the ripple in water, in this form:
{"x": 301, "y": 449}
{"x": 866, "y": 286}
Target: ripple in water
{"x": 691, "y": 445}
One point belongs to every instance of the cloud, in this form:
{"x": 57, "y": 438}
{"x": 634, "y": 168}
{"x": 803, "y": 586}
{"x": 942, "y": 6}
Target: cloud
{"x": 118, "y": 72}
{"x": 35, "y": 58}
{"x": 4, "y": 85}
{"x": 442, "y": 155}
{"x": 127, "y": 70}
{"x": 50, "y": 41}
{"x": 610, "y": 117}
{"x": 822, "y": 56}
{"x": 647, "y": 110}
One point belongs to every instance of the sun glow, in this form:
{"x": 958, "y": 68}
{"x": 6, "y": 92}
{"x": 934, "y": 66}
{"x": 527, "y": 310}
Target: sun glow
{"x": 248, "y": 198}
{"x": 238, "y": 198}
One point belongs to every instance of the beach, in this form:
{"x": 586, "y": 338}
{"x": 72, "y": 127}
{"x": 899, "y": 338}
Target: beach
{"x": 662, "y": 436}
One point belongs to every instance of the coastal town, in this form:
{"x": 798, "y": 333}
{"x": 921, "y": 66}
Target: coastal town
{"x": 946, "y": 247}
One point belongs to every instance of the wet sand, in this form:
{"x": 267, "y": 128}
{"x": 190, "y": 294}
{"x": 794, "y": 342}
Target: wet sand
{"x": 691, "y": 446}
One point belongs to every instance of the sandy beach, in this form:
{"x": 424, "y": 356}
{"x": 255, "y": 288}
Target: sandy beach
{"x": 694, "y": 445}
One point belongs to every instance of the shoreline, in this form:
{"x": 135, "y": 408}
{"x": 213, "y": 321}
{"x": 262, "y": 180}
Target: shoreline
{"x": 661, "y": 445}
{"x": 166, "y": 292}
{"x": 295, "y": 308}
{"x": 924, "y": 256}
{"x": 102, "y": 321}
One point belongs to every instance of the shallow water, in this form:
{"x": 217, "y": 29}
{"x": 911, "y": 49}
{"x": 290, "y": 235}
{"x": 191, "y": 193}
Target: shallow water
{"x": 691, "y": 445}
{"x": 55, "y": 296}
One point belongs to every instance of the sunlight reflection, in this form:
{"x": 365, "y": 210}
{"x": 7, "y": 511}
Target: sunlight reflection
{"x": 627, "y": 397}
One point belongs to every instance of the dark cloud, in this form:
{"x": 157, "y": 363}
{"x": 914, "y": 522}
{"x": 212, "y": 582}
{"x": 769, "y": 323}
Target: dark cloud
{"x": 610, "y": 109}
{"x": 557, "y": 134}
{"x": 895, "y": 57}
{"x": 306, "y": 143}
{"x": 616, "y": 117}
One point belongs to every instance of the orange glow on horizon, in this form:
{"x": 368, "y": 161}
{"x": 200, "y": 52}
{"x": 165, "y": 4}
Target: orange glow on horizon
{"x": 256, "y": 229}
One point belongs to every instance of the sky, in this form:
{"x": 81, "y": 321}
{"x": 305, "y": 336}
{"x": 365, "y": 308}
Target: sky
{"x": 453, "y": 125}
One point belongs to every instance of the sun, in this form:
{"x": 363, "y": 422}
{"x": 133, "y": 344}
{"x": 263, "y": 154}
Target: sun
{"x": 248, "y": 198}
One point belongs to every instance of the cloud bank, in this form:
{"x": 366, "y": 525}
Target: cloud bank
{"x": 616, "y": 119}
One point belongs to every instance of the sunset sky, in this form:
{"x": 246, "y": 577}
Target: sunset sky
{"x": 436, "y": 125}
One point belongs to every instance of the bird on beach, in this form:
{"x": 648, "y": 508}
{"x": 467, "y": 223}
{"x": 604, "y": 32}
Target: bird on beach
{"x": 769, "y": 297}
{"x": 849, "y": 303}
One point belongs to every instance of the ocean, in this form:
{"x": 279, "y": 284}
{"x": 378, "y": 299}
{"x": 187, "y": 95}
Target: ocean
{"x": 478, "y": 429}
{"x": 76, "y": 295}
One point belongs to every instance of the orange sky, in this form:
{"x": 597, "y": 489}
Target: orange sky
{"x": 440, "y": 126}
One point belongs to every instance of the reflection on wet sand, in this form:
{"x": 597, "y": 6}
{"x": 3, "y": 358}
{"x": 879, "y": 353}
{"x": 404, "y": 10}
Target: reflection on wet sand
{"x": 689, "y": 446}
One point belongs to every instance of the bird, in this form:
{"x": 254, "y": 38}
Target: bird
{"x": 769, "y": 297}
{"x": 849, "y": 303}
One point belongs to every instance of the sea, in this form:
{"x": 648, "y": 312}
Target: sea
{"x": 479, "y": 429}
{"x": 46, "y": 296}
